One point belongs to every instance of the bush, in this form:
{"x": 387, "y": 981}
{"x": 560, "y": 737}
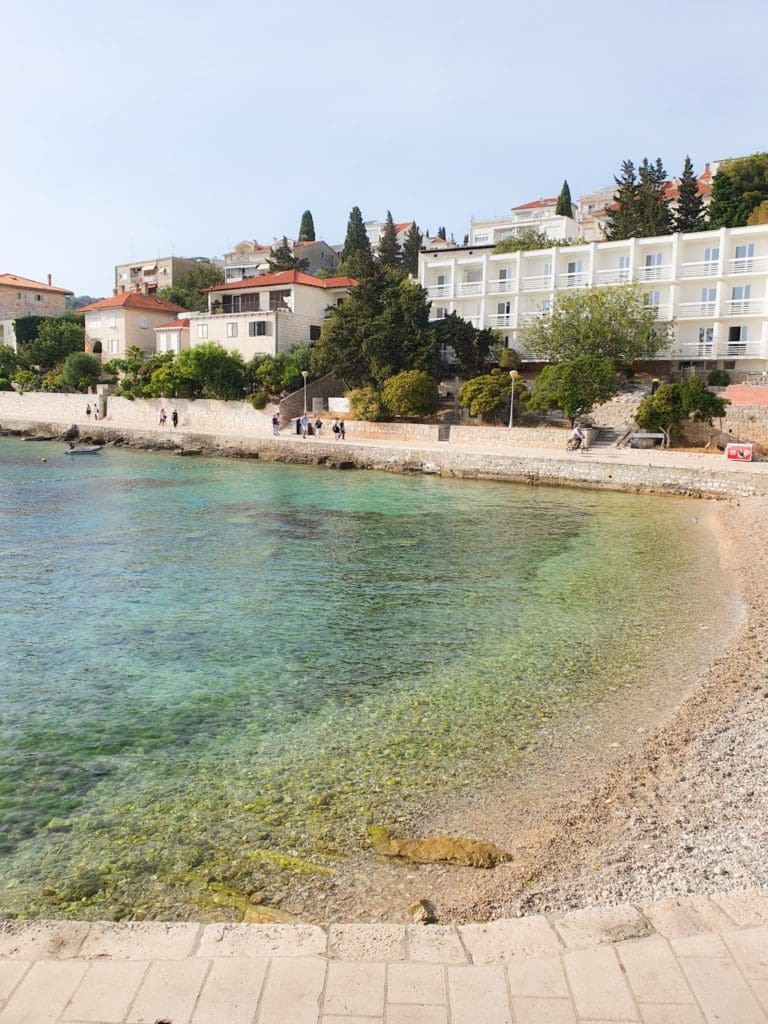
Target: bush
{"x": 509, "y": 359}
{"x": 575, "y": 385}
{"x": 484, "y": 395}
{"x": 26, "y": 379}
{"x": 81, "y": 371}
{"x": 719, "y": 379}
{"x": 366, "y": 404}
{"x": 5, "y": 384}
{"x": 410, "y": 393}
{"x": 259, "y": 399}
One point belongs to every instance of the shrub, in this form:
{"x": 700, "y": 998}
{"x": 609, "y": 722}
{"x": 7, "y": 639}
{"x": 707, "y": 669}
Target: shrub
{"x": 719, "y": 379}
{"x": 410, "y": 393}
{"x": 5, "y": 384}
{"x": 484, "y": 395}
{"x": 80, "y": 371}
{"x": 259, "y": 399}
{"x": 26, "y": 379}
{"x": 575, "y": 385}
{"x": 366, "y": 404}
{"x": 509, "y": 359}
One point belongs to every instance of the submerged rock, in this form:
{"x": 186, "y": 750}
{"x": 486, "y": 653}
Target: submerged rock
{"x": 435, "y": 849}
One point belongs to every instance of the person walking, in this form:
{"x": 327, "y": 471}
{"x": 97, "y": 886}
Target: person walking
{"x": 88, "y": 411}
{"x": 318, "y": 426}
{"x": 175, "y": 418}
{"x": 163, "y": 417}
{"x": 275, "y": 425}
{"x": 335, "y": 428}
{"x": 304, "y": 426}
{"x": 342, "y": 430}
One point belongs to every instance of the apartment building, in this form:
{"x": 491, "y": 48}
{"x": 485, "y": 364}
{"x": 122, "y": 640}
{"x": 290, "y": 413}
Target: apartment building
{"x": 268, "y": 314}
{"x": 114, "y": 325}
{"x": 538, "y": 215}
{"x": 148, "y": 276}
{"x": 21, "y": 296}
{"x": 374, "y": 229}
{"x": 711, "y": 286}
{"x": 249, "y": 258}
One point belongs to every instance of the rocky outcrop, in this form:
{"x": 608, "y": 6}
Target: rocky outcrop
{"x": 439, "y": 849}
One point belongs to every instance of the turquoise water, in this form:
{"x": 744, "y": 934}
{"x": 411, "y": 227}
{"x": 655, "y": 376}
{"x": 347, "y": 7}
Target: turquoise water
{"x": 216, "y": 675}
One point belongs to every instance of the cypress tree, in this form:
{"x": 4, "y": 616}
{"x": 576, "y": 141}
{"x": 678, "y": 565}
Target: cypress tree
{"x": 726, "y": 210}
{"x": 411, "y": 246}
{"x": 655, "y": 216}
{"x": 390, "y": 252}
{"x": 356, "y": 258}
{"x": 564, "y": 206}
{"x": 690, "y": 203}
{"x": 623, "y": 221}
{"x": 307, "y": 229}
{"x": 441, "y": 234}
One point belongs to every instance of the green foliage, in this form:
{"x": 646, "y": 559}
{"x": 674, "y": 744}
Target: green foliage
{"x": 509, "y": 359}
{"x": 27, "y": 380}
{"x": 307, "y": 228}
{"x": 623, "y": 219}
{"x": 356, "y": 258}
{"x": 211, "y": 371}
{"x": 189, "y": 292}
{"x": 667, "y": 410}
{"x": 653, "y": 208}
{"x": 5, "y": 384}
{"x": 749, "y": 175}
{"x": 564, "y": 206}
{"x": 484, "y": 395}
{"x": 470, "y": 346}
{"x": 615, "y": 323}
{"x": 759, "y": 215}
{"x": 57, "y": 337}
{"x": 726, "y": 208}
{"x": 9, "y": 361}
{"x": 441, "y": 234}
{"x": 26, "y": 327}
{"x": 527, "y": 240}
{"x": 690, "y": 203}
{"x": 278, "y": 374}
{"x": 411, "y": 246}
{"x": 259, "y": 399}
{"x": 718, "y": 378}
{"x": 382, "y": 327}
{"x": 410, "y": 393}
{"x": 80, "y": 371}
{"x": 282, "y": 257}
{"x": 366, "y": 404}
{"x": 390, "y": 252}
{"x": 574, "y": 386}
{"x": 75, "y": 302}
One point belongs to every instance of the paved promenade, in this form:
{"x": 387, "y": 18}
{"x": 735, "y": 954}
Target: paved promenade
{"x": 682, "y": 961}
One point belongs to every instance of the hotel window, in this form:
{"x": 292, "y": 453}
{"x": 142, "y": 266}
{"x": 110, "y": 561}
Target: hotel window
{"x": 481, "y": 238}
{"x": 440, "y": 312}
{"x": 202, "y": 331}
{"x": 706, "y": 335}
{"x": 737, "y": 340}
{"x": 547, "y": 270}
{"x": 744, "y": 256}
{"x": 95, "y": 324}
{"x": 257, "y": 328}
{"x": 232, "y": 329}
{"x": 740, "y": 294}
{"x": 712, "y": 255}
{"x": 314, "y": 332}
{"x": 503, "y": 308}
{"x": 574, "y": 273}
{"x": 653, "y": 299}
{"x": 623, "y": 267}
{"x": 653, "y": 266}
{"x": 708, "y": 296}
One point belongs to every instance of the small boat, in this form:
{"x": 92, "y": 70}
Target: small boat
{"x": 83, "y": 449}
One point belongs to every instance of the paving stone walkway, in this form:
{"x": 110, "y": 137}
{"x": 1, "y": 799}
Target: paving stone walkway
{"x": 679, "y": 961}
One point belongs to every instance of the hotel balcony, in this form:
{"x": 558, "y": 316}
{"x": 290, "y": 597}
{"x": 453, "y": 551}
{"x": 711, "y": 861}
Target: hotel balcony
{"x": 500, "y": 286}
{"x": 614, "y": 275}
{"x": 469, "y": 288}
{"x": 660, "y": 273}
{"x": 440, "y": 291}
{"x": 748, "y": 307}
{"x": 539, "y": 282}
{"x": 528, "y": 318}
{"x": 501, "y": 319}
{"x": 695, "y": 310}
{"x": 575, "y": 280}
{"x": 662, "y": 312}
{"x": 702, "y": 268}
{"x": 748, "y": 265}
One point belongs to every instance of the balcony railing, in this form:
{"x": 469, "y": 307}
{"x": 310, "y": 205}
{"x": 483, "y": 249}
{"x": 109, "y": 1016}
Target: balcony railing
{"x": 701, "y": 268}
{"x": 574, "y": 280}
{"x": 748, "y": 265}
{"x": 502, "y": 319}
{"x": 538, "y": 282}
{"x": 734, "y": 307}
{"x": 692, "y": 350}
{"x": 470, "y": 288}
{"x": 662, "y": 311}
{"x": 745, "y": 349}
{"x": 439, "y": 291}
{"x": 659, "y": 273}
{"x": 528, "y": 318}
{"x": 695, "y": 310}
{"x": 614, "y": 275}
{"x": 500, "y": 286}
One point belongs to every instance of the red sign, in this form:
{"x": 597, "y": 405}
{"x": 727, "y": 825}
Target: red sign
{"x": 739, "y": 452}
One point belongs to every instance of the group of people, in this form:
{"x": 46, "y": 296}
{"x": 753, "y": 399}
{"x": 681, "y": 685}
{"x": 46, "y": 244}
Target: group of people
{"x": 164, "y": 418}
{"x": 95, "y": 411}
{"x": 303, "y": 427}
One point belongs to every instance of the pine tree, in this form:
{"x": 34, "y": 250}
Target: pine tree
{"x": 411, "y": 247}
{"x": 307, "y": 229}
{"x": 564, "y": 206}
{"x": 655, "y": 216}
{"x": 282, "y": 258}
{"x": 726, "y": 210}
{"x": 356, "y": 258}
{"x": 690, "y": 202}
{"x": 441, "y": 234}
{"x": 390, "y": 251}
{"x": 623, "y": 220}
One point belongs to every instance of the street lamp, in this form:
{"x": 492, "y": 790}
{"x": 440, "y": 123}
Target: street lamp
{"x": 305, "y": 374}
{"x": 513, "y": 375}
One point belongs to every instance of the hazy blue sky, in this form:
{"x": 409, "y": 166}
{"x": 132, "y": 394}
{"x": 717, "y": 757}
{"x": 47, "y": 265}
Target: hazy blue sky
{"x": 131, "y": 129}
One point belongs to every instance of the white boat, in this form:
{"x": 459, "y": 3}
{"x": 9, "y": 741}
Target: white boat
{"x": 83, "y": 450}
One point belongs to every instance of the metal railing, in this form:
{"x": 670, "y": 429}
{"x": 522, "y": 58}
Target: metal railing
{"x": 470, "y": 288}
{"x": 694, "y": 310}
{"x": 733, "y": 307}
{"x": 748, "y": 265}
{"x": 438, "y": 291}
{"x": 576, "y": 279}
{"x": 700, "y": 268}
{"x": 613, "y": 275}
{"x": 663, "y": 272}
{"x": 500, "y": 286}
{"x": 538, "y": 282}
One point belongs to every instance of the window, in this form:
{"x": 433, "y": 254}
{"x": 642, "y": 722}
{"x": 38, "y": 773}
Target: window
{"x": 503, "y": 308}
{"x": 143, "y": 322}
{"x": 712, "y": 255}
{"x": 729, "y": 365}
{"x": 112, "y": 321}
{"x": 278, "y": 299}
{"x": 202, "y": 331}
{"x": 737, "y": 340}
{"x": 481, "y": 238}
{"x": 38, "y": 298}
{"x": 744, "y": 255}
{"x": 547, "y": 272}
{"x": 232, "y": 329}
{"x": 706, "y": 335}
{"x": 123, "y": 276}
{"x": 574, "y": 273}
{"x": 653, "y": 266}
{"x": 740, "y": 294}
{"x": 440, "y": 312}
{"x": 623, "y": 262}
{"x": 257, "y": 328}
{"x": 653, "y": 299}
{"x": 94, "y": 324}
{"x": 314, "y": 332}
{"x": 708, "y": 296}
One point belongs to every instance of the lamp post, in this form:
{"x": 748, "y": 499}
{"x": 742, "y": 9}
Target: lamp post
{"x": 513, "y": 376}
{"x": 305, "y": 374}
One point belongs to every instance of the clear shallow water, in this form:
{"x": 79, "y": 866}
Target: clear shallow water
{"x": 215, "y": 675}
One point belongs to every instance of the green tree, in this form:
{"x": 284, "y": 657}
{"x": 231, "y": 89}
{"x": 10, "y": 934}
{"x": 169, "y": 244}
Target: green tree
{"x": 726, "y": 207}
{"x": 470, "y": 346}
{"x": 759, "y": 215}
{"x": 441, "y": 234}
{"x": 655, "y": 217}
{"x": 56, "y": 338}
{"x": 356, "y": 258}
{"x": 366, "y": 404}
{"x": 307, "y": 227}
{"x": 25, "y": 328}
{"x": 190, "y": 291}
{"x": 623, "y": 216}
{"x": 390, "y": 252}
{"x": 509, "y": 359}
{"x": 8, "y": 361}
{"x": 526, "y": 241}
{"x": 749, "y": 175}
{"x": 281, "y": 257}
{"x": 690, "y": 203}
{"x": 411, "y": 248}
{"x": 80, "y": 371}
{"x": 485, "y": 395}
{"x": 574, "y": 386}
{"x": 410, "y": 393}
{"x": 672, "y": 404}
{"x": 564, "y": 206}
{"x": 615, "y": 323}
{"x": 212, "y": 371}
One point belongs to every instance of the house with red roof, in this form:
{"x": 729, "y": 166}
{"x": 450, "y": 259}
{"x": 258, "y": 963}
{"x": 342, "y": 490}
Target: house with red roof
{"x": 21, "y": 296}
{"x": 375, "y": 229}
{"x": 122, "y": 321}
{"x": 172, "y": 336}
{"x": 537, "y": 215}
{"x": 269, "y": 313}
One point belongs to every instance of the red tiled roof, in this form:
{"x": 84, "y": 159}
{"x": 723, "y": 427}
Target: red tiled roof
{"x": 404, "y": 226}
{"x": 285, "y": 277}
{"x": 172, "y": 324}
{"x": 13, "y": 280}
{"x": 134, "y": 300}
{"x": 537, "y": 204}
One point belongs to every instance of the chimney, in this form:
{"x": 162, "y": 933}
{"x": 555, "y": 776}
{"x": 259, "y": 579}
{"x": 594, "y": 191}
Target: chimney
{"x": 49, "y": 280}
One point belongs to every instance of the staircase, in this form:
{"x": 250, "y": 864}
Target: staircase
{"x": 606, "y": 437}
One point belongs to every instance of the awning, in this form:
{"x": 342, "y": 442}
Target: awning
{"x": 149, "y": 268}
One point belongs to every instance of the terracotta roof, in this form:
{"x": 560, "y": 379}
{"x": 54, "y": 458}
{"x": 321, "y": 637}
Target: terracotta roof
{"x": 404, "y": 226}
{"x": 537, "y": 204}
{"x": 286, "y": 277}
{"x": 172, "y": 324}
{"x": 134, "y": 300}
{"x": 13, "y": 280}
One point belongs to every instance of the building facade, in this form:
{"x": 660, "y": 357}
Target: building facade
{"x": 249, "y": 258}
{"x": 172, "y": 336}
{"x": 122, "y": 321}
{"x": 148, "y": 276}
{"x": 374, "y": 229}
{"x": 536, "y": 216}
{"x": 21, "y": 296}
{"x": 711, "y": 286}
{"x": 269, "y": 314}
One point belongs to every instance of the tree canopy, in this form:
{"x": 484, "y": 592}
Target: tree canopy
{"x": 411, "y": 247}
{"x": 410, "y": 393}
{"x": 615, "y": 323}
{"x": 390, "y": 252}
{"x": 564, "y": 206}
{"x": 690, "y": 203}
{"x": 356, "y": 258}
{"x": 749, "y": 177}
{"x": 574, "y": 386}
{"x": 527, "y": 240}
{"x": 672, "y": 404}
{"x": 55, "y": 339}
{"x": 282, "y": 257}
{"x": 189, "y": 291}
{"x": 487, "y": 394}
{"x": 470, "y": 346}
{"x": 726, "y": 207}
{"x": 80, "y": 371}
{"x": 307, "y": 227}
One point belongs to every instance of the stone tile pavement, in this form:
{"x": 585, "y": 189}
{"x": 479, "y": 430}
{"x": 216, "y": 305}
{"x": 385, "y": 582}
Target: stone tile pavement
{"x": 679, "y": 961}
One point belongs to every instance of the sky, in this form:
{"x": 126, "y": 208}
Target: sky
{"x": 136, "y": 131}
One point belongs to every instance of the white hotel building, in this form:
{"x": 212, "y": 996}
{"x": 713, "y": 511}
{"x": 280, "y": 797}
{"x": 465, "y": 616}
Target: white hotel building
{"x": 711, "y": 285}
